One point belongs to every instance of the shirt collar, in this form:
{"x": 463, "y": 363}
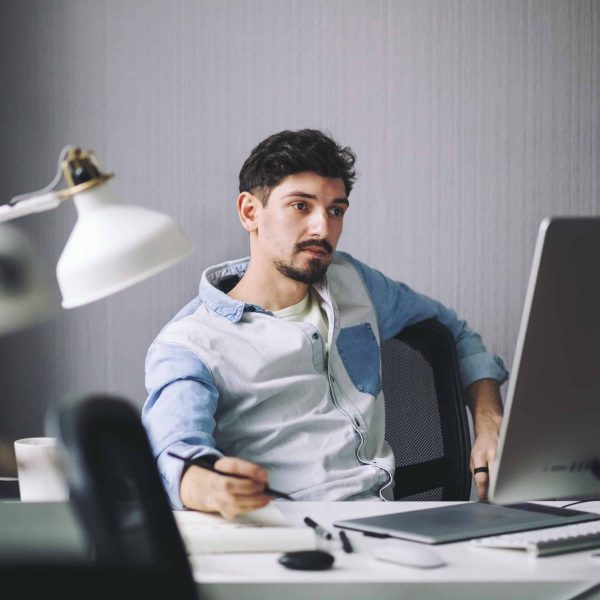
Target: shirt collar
{"x": 219, "y": 301}
{"x": 223, "y": 304}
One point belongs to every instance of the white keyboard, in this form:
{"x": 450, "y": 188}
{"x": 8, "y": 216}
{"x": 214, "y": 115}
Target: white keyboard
{"x": 551, "y": 540}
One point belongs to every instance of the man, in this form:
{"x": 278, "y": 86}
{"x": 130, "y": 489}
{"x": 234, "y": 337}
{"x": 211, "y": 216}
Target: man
{"x": 274, "y": 368}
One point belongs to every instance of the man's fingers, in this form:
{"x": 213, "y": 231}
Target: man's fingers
{"x": 241, "y": 494}
{"x": 236, "y": 496}
{"x": 239, "y": 487}
{"x": 252, "y": 484}
{"x": 482, "y": 456}
{"x": 480, "y": 473}
{"x": 250, "y": 502}
{"x": 205, "y": 490}
{"x": 243, "y": 467}
{"x": 232, "y": 507}
{"x": 482, "y": 481}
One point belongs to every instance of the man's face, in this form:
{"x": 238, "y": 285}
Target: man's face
{"x": 300, "y": 226}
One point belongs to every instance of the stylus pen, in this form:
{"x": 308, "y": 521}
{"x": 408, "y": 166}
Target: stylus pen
{"x": 346, "y": 542}
{"x": 320, "y": 530}
{"x": 206, "y": 465}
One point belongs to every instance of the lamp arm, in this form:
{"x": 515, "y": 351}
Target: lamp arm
{"x": 28, "y": 206}
{"x": 25, "y": 204}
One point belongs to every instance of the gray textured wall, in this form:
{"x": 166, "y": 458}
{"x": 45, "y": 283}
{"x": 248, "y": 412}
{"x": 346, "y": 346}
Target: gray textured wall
{"x": 472, "y": 120}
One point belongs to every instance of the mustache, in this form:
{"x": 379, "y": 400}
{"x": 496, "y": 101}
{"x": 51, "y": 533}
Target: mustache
{"x": 314, "y": 243}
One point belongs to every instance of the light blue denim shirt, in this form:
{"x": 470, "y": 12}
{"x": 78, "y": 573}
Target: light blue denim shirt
{"x": 226, "y": 377}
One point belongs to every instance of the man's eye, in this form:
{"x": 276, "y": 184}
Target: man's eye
{"x": 299, "y": 205}
{"x": 337, "y": 212}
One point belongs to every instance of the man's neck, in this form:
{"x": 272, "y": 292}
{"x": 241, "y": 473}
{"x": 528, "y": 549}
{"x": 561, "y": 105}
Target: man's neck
{"x": 268, "y": 288}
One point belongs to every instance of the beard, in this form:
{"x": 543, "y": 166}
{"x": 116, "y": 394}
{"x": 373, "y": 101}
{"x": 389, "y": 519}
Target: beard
{"x": 313, "y": 272}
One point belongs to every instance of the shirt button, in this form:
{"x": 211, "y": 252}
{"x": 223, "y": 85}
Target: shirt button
{"x": 315, "y": 336}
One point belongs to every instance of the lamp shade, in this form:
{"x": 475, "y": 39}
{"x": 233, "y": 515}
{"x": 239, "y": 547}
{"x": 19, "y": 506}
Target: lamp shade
{"x": 23, "y": 290}
{"x": 114, "y": 246}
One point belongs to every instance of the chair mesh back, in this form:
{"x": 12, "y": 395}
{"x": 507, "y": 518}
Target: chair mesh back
{"x": 412, "y": 418}
{"x": 426, "y": 423}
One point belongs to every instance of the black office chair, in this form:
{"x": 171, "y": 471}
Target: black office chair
{"x": 116, "y": 490}
{"x": 425, "y": 414}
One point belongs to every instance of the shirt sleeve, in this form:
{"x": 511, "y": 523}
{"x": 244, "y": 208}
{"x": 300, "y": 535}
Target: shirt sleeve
{"x": 397, "y": 306}
{"x": 179, "y": 412}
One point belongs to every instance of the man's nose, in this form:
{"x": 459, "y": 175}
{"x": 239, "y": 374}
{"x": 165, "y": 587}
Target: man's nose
{"x": 319, "y": 224}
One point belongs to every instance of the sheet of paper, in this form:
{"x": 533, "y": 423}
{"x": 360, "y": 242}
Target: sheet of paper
{"x": 263, "y": 530}
{"x": 268, "y": 516}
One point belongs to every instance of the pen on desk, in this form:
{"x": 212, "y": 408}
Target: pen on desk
{"x": 346, "y": 542}
{"x": 209, "y": 467}
{"x": 320, "y": 530}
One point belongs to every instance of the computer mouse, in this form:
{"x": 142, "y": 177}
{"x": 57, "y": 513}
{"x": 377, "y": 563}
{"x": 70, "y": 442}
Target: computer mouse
{"x": 409, "y": 555}
{"x": 307, "y": 560}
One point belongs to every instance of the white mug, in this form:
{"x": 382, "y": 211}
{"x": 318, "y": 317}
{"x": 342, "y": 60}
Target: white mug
{"x": 41, "y": 477}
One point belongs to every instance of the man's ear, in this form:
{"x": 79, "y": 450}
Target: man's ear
{"x": 248, "y": 206}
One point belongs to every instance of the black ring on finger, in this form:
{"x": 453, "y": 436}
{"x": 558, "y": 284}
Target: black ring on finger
{"x": 480, "y": 470}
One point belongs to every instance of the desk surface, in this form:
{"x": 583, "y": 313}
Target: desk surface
{"x": 469, "y": 573}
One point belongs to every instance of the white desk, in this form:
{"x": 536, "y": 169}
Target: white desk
{"x": 470, "y": 573}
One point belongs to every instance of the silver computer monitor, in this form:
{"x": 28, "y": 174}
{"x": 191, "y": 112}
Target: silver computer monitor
{"x": 550, "y": 438}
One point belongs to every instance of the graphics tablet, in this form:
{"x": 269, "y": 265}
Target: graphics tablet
{"x": 457, "y": 522}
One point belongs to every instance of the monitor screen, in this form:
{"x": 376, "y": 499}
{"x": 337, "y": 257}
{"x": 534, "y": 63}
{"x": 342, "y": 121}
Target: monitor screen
{"x": 550, "y": 438}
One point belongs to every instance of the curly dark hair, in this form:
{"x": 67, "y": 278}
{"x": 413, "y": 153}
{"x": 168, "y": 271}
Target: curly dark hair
{"x": 289, "y": 152}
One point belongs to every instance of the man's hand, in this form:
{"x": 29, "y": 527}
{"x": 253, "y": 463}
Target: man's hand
{"x": 483, "y": 454}
{"x": 485, "y": 404}
{"x": 210, "y": 492}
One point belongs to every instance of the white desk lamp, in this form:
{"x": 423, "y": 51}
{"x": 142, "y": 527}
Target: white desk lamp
{"x": 112, "y": 245}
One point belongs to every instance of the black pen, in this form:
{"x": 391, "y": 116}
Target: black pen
{"x": 209, "y": 467}
{"x": 346, "y": 542}
{"x": 320, "y": 530}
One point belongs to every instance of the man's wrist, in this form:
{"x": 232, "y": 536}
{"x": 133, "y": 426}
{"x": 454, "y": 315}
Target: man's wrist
{"x": 485, "y": 404}
{"x": 194, "y": 489}
{"x": 487, "y": 425}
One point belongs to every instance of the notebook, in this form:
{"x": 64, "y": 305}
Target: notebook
{"x": 262, "y": 530}
{"x": 457, "y": 522}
